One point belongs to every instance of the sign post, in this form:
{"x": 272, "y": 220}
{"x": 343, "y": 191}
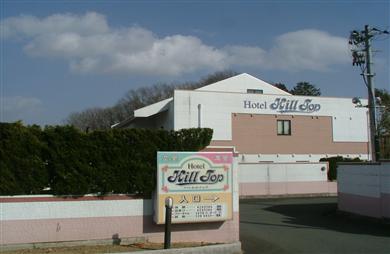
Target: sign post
{"x": 168, "y": 221}
{"x": 199, "y": 184}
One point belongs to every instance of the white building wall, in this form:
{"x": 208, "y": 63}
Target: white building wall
{"x": 349, "y": 122}
{"x": 240, "y": 84}
{"x": 166, "y": 119}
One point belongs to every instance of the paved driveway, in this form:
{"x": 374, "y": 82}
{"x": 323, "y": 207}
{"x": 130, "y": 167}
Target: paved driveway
{"x": 307, "y": 225}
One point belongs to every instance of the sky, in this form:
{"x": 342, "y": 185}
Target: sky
{"x": 59, "y": 57}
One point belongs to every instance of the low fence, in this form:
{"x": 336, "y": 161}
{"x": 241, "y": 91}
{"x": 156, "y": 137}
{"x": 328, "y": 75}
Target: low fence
{"x": 262, "y": 179}
{"x": 46, "y": 219}
{"x": 37, "y": 219}
{"x": 364, "y": 189}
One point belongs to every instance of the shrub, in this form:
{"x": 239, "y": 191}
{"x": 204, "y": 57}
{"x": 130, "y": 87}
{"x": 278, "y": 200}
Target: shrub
{"x": 22, "y": 167}
{"x": 332, "y": 173}
{"x": 71, "y": 162}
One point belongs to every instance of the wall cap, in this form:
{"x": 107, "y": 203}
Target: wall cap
{"x": 359, "y": 163}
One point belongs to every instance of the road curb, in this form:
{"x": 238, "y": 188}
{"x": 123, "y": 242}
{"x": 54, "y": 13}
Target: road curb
{"x": 228, "y": 248}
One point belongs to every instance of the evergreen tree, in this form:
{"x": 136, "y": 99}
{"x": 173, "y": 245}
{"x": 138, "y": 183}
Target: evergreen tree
{"x": 305, "y": 88}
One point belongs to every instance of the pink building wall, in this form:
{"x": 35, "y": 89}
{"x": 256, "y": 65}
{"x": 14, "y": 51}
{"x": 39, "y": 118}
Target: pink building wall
{"x": 256, "y": 134}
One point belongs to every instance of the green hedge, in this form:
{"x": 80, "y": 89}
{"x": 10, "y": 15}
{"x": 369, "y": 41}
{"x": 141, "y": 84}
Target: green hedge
{"x": 71, "y": 162}
{"x": 332, "y": 173}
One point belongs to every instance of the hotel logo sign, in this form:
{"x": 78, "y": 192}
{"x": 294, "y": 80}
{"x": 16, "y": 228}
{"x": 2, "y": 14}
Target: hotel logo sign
{"x": 283, "y": 105}
{"x": 200, "y": 185}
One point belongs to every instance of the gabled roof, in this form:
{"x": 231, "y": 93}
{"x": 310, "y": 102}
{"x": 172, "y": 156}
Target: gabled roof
{"x": 146, "y": 111}
{"x": 236, "y": 84}
{"x": 240, "y": 83}
{"x": 153, "y": 109}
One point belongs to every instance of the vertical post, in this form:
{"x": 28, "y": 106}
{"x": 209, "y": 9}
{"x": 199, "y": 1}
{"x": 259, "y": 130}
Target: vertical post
{"x": 371, "y": 93}
{"x": 199, "y": 115}
{"x": 168, "y": 222}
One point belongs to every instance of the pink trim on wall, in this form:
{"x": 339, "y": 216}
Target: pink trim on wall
{"x": 362, "y": 205}
{"x": 220, "y": 149}
{"x": 332, "y": 187}
{"x": 385, "y": 200}
{"x": 58, "y": 230}
{"x": 287, "y": 188}
{"x": 221, "y": 232}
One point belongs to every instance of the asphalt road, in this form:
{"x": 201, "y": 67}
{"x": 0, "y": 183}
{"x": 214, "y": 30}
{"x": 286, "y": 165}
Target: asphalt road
{"x": 308, "y": 225}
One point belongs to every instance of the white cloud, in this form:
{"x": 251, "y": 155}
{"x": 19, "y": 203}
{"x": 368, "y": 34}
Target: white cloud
{"x": 18, "y": 107}
{"x": 90, "y": 45}
{"x": 308, "y": 50}
{"x": 294, "y": 51}
{"x": 30, "y": 26}
{"x": 171, "y": 55}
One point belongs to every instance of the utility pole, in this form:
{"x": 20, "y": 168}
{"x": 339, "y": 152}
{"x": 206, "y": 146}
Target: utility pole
{"x": 371, "y": 93}
{"x": 362, "y": 56}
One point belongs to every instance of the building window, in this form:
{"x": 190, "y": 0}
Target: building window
{"x": 284, "y": 127}
{"x": 257, "y": 91}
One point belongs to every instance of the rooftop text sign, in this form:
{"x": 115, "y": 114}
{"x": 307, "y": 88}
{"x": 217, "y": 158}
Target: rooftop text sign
{"x": 200, "y": 184}
{"x": 284, "y": 105}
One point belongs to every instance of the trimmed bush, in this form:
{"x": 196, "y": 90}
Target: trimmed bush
{"x": 71, "y": 162}
{"x": 332, "y": 173}
{"x": 22, "y": 166}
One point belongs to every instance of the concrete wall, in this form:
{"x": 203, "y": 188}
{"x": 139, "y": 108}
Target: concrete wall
{"x": 258, "y": 179}
{"x": 36, "y": 219}
{"x": 364, "y": 189}
{"x": 290, "y": 158}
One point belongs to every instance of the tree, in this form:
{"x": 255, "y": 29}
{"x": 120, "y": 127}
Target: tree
{"x": 281, "y": 86}
{"x": 383, "y": 127}
{"x": 305, "y": 88}
{"x": 104, "y": 118}
{"x": 384, "y": 111}
{"x": 92, "y": 119}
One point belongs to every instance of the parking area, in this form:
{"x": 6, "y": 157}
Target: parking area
{"x": 308, "y": 225}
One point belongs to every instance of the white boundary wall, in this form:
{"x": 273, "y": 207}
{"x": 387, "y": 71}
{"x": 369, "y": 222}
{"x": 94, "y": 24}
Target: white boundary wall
{"x": 44, "y": 219}
{"x": 364, "y": 189}
{"x": 260, "y": 179}
{"x": 293, "y": 158}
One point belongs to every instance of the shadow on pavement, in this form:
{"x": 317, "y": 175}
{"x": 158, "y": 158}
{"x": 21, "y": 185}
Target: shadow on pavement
{"x": 326, "y": 216}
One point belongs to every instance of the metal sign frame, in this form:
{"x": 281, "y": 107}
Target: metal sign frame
{"x": 200, "y": 184}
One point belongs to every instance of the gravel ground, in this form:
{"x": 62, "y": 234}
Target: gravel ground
{"x": 101, "y": 248}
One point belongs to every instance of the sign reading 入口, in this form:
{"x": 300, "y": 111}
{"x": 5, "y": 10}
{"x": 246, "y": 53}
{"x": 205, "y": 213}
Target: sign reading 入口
{"x": 200, "y": 184}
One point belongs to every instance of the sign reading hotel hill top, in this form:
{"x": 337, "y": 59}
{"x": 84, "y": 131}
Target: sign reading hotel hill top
{"x": 200, "y": 184}
{"x": 284, "y": 105}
